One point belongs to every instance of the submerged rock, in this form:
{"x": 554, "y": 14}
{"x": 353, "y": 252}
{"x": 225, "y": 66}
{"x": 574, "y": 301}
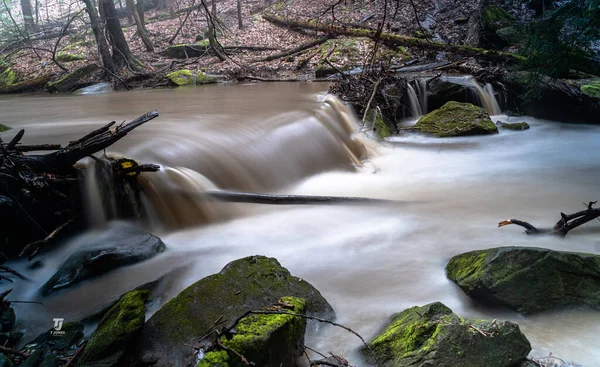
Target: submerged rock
{"x": 122, "y": 245}
{"x": 433, "y": 335}
{"x": 528, "y": 279}
{"x": 265, "y": 340}
{"x": 457, "y": 119}
{"x": 518, "y": 126}
{"x": 110, "y": 343}
{"x": 243, "y": 285}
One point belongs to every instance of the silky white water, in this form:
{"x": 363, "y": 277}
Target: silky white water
{"x": 369, "y": 262}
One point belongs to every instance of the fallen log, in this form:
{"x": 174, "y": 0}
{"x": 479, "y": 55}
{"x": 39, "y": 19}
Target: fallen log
{"x": 298, "y": 49}
{"x": 274, "y": 199}
{"x": 32, "y": 85}
{"x": 393, "y": 39}
{"x": 566, "y": 223}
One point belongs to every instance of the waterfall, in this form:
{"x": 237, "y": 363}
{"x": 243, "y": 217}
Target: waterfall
{"x": 97, "y": 188}
{"x": 485, "y": 95}
{"x": 421, "y": 86}
{"x": 415, "y": 105}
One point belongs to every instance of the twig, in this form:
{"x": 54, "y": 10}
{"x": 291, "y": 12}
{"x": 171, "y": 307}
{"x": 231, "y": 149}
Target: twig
{"x": 371, "y": 100}
{"x": 76, "y": 355}
{"x": 4, "y": 349}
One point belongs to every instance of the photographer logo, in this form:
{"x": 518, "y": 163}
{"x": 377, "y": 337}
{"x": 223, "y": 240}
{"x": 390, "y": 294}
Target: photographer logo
{"x": 58, "y": 324}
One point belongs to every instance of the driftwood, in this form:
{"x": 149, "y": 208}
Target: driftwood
{"x": 392, "y": 39}
{"x": 40, "y": 193}
{"x": 566, "y": 223}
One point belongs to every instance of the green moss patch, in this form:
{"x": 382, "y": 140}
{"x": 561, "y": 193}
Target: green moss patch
{"x": 69, "y": 81}
{"x": 8, "y": 77}
{"x": 66, "y": 57}
{"x": 592, "y": 90}
{"x": 516, "y": 126}
{"x": 495, "y": 17}
{"x": 457, "y": 119}
{"x": 4, "y": 128}
{"x": 186, "y": 77}
{"x": 116, "y": 331}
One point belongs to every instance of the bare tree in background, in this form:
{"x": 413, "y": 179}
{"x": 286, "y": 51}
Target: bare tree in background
{"x": 121, "y": 54}
{"x": 239, "y": 14}
{"x": 27, "y": 16}
{"x": 103, "y": 50}
{"x": 140, "y": 25}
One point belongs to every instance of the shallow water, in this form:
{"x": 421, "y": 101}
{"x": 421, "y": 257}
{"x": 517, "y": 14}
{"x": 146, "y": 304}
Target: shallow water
{"x": 369, "y": 262}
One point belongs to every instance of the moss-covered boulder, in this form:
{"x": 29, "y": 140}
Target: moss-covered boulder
{"x": 67, "y": 57}
{"x": 8, "y": 77}
{"x": 433, "y": 335}
{"x": 592, "y": 90}
{"x": 265, "y": 340}
{"x": 457, "y": 119}
{"x": 243, "y": 285}
{"x": 70, "y": 81}
{"x": 116, "y": 333}
{"x": 528, "y": 279}
{"x": 4, "y": 128}
{"x": 516, "y": 126}
{"x": 186, "y": 77}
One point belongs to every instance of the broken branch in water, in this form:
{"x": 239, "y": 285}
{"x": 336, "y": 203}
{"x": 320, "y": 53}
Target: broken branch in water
{"x": 567, "y": 222}
{"x": 273, "y": 199}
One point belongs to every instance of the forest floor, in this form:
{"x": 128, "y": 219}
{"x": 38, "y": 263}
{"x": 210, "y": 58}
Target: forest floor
{"x": 345, "y": 53}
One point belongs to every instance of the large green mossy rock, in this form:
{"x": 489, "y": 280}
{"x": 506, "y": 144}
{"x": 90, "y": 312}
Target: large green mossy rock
{"x": 528, "y": 279}
{"x": 186, "y": 77}
{"x": 265, "y": 340}
{"x": 433, "y": 335}
{"x": 69, "y": 81}
{"x": 457, "y": 119}
{"x": 243, "y": 285}
{"x": 116, "y": 332}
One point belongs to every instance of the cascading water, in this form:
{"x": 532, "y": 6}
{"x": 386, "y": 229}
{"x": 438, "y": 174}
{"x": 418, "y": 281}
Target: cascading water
{"x": 415, "y": 104}
{"x": 98, "y": 198}
{"x": 485, "y": 95}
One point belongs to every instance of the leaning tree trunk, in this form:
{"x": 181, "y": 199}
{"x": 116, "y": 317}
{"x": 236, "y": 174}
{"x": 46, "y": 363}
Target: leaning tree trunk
{"x": 140, "y": 26}
{"x": 121, "y": 54}
{"x": 27, "y": 16}
{"x": 103, "y": 49}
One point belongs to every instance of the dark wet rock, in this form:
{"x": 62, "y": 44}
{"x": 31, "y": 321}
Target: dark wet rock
{"x": 58, "y": 340}
{"x": 517, "y": 126}
{"x": 9, "y": 339}
{"x": 70, "y": 81}
{"x": 34, "y": 358}
{"x": 556, "y": 99}
{"x": 36, "y": 265}
{"x": 334, "y": 361}
{"x": 5, "y": 361}
{"x": 7, "y": 317}
{"x": 433, "y": 335}
{"x": 528, "y": 279}
{"x": 243, "y": 285}
{"x": 50, "y": 360}
{"x": 264, "y": 340}
{"x": 122, "y": 245}
{"x": 110, "y": 344}
{"x": 457, "y": 119}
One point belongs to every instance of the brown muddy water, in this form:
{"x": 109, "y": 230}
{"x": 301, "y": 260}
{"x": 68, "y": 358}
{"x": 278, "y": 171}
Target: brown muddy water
{"x": 369, "y": 262}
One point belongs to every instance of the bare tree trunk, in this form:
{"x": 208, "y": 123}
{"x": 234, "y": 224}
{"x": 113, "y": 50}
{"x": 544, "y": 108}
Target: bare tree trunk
{"x": 239, "y": 13}
{"x": 129, "y": 11}
{"x": 140, "y": 26}
{"x": 27, "y": 16}
{"x": 140, "y": 6}
{"x": 214, "y": 8}
{"x": 103, "y": 50}
{"x": 121, "y": 54}
{"x": 37, "y": 12}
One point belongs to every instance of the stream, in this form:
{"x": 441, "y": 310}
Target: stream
{"x": 368, "y": 261}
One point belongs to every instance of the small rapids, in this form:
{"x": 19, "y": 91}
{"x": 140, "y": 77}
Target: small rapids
{"x": 369, "y": 262}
